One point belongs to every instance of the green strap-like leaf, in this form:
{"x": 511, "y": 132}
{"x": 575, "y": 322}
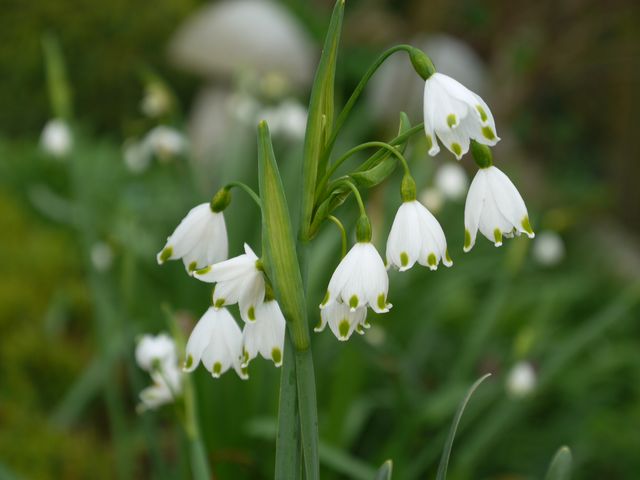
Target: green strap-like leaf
{"x": 281, "y": 264}
{"x": 446, "y": 452}
{"x": 560, "y": 468}
{"x": 320, "y": 119}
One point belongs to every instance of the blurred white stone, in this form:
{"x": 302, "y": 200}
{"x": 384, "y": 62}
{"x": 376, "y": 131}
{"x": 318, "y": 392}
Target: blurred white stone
{"x": 452, "y": 180}
{"x": 548, "y": 248}
{"x": 397, "y": 87}
{"x": 137, "y": 156}
{"x": 56, "y": 138}
{"x": 225, "y": 38}
{"x": 101, "y": 256}
{"x": 432, "y": 198}
{"x": 165, "y": 142}
{"x": 521, "y": 379}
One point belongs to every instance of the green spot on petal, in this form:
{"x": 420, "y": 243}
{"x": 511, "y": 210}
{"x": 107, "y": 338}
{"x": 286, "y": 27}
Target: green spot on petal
{"x": 251, "y": 313}
{"x": 353, "y": 301}
{"x": 429, "y": 141}
{"x": 467, "y": 239}
{"x": 432, "y": 261}
{"x": 326, "y": 298}
{"x": 451, "y": 120}
{"x": 526, "y": 225}
{"x": 189, "y": 362}
{"x": 446, "y": 252}
{"x": 166, "y": 254}
{"x": 217, "y": 368}
{"x": 487, "y": 133}
{"x": 192, "y": 266}
{"x": 219, "y": 303}
{"x": 382, "y": 301}
{"x": 404, "y": 259}
{"x": 245, "y": 371}
{"x": 497, "y": 235}
{"x": 204, "y": 270}
{"x": 456, "y": 148}
{"x": 483, "y": 114}
{"x": 343, "y": 328}
{"x": 276, "y": 355}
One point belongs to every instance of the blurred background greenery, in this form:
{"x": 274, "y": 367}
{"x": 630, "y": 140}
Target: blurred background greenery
{"x": 80, "y": 229}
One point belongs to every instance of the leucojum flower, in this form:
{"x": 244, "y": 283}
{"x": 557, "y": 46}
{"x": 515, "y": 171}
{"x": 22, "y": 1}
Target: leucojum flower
{"x": 269, "y": 289}
{"x": 157, "y": 356}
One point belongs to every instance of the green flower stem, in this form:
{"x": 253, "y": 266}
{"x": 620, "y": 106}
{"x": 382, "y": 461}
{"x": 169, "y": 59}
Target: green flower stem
{"x": 243, "y": 186}
{"x": 344, "y": 114}
{"x": 400, "y": 139}
{"x": 343, "y": 233}
{"x": 356, "y": 192}
{"x": 356, "y": 149}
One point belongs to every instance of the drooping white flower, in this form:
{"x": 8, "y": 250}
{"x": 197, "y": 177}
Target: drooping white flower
{"x": 495, "y": 207}
{"x": 289, "y": 119}
{"x": 137, "y": 156}
{"x": 155, "y": 351}
{"x": 451, "y": 179}
{"x": 167, "y": 386}
{"x": 416, "y": 236}
{"x": 165, "y": 142}
{"x": 521, "y": 379}
{"x": 266, "y": 334}
{"x": 548, "y": 248}
{"x": 360, "y": 280}
{"x": 101, "y": 256}
{"x": 199, "y": 240}
{"x": 342, "y": 320}
{"x": 455, "y": 115}
{"x": 156, "y": 100}
{"x": 238, "y": 280}
{"x": 216, "y": 341}
{"x": 56, "y": 138}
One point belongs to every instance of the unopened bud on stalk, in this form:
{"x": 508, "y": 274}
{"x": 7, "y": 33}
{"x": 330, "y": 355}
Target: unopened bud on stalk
{"x": 421, "y": 63}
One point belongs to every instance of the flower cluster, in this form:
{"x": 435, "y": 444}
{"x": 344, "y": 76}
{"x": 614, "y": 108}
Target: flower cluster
{"x": 461, "y": 120}
{"x": 157, "y": 355}
{"x": 217, "y": 341}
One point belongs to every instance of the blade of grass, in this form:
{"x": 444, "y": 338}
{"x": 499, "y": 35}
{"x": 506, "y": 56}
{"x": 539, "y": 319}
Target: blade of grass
{"x": 560, "y": 468}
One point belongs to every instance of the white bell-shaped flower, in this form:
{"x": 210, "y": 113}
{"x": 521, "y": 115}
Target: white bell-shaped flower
{"x": 266, "y": 335}
{"x": 455, "y": 115}
{"x": 238, "y": 280}
{"x": 216, "y": 341}
{"x": 199, "y": 240}
{"x": 495, "y": 207}
{"x": 342, "y": 320}
{"x": 416, "y": 236}
{"x": 452, "y": 180}
{"x": 56, "y": 138}
{"x": 155, "y": 351}
{"x": 360, "y": 280}
{"x": 165, "y": 142}
{"x": 167, "y": 386}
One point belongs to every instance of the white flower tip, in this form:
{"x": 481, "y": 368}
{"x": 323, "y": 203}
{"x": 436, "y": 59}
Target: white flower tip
{"x": 164, "y": 254}
{"x": 498, "y": 244}
{"x": 404, "y": 269}
{"x": 433, "y": 268}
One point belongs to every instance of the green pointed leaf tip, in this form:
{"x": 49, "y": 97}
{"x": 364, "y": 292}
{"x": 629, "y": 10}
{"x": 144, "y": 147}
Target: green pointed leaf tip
{"x": 385, "y": 471}
{"x": 560, "y": 468}
{"x": 279, "y": 251}
{"x": 446, "y": 452}
{"x": 320, "y": 120}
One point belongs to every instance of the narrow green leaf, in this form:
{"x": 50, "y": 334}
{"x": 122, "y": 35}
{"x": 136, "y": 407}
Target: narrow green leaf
{"x": 57, "y": 82}
{"x": 446, "y": 452}
{"x": 281, "y": 265}
{"x": 288, "y": 436}
{"x": 320, "y": 120}
{"x": 560, "y": 468}
{"x": 385, "y": 471}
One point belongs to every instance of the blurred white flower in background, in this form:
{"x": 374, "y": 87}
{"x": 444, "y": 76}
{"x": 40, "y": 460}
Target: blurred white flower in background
{"x": 156, "y": 354}
{"x": 137, "y": 156}
{"x": 289, "y": 119}
{"x": 452, "y": 180}
{"x": 396, "y": 86}
{"x": 432, "y": 198}
{"x": 521, "y": 379}
{"x": 548, "y": 248}
{"x": 165, "y": 142}
{"x": 101, "y": 256}
{"x": 156, "y": 101}
{"x": 56, "y": 138}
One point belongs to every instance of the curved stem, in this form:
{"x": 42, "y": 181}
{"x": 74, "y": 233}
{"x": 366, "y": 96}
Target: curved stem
{"x": 356, "y": 192}
{"x": 247, "y": 189}
{"x": 343, "y": 233}
{"x": 358, "y": 91}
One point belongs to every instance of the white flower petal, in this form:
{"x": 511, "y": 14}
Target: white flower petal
{"x": 473, "y": 208}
